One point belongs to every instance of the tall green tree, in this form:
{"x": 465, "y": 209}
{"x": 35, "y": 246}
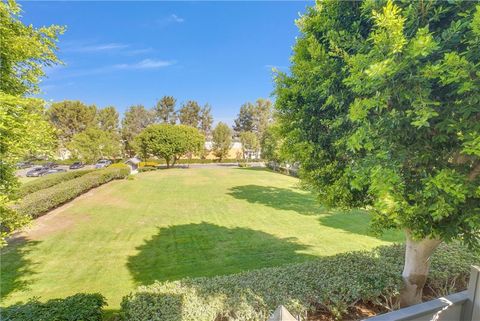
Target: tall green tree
{"x": 165, "y": 110}
{"x": 170, "y": 142}
{"x": 245, "y": 121}
{"x": 271, "y": 144}
{"x": 107, "y": 119}
{"x": 206, "y": 120}
{"x": 222, "y": 140}
{"x": 382, "y": 108}
{"x": 94, "y": 144}
{"x": 24, "y": 52}
{"x": 70, "y": 118}
{"x": 135, "y": 120}
{"x": 189, "y": 114}
{"x": 249, "y": 142}
{"x": 254, "y": 117}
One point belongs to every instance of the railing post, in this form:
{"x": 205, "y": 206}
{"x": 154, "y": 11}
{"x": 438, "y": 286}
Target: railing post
{"x": 281, "y": 314}
{"x": 471, "y": 308}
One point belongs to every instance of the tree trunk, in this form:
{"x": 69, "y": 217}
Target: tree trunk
{"x": 167, "y": 160}
{"x": 415, "y": 270}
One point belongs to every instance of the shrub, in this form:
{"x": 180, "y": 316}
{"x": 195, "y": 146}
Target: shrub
{"x": 119, "y": 165}
{"x": 78, "y": 307}
{"x": 147, "y": 169}
{"x": 40, "y": 202}
{"x": 148, "y": 164}
{"x": 50, "y": 180}
{"x": 332, "y": 283}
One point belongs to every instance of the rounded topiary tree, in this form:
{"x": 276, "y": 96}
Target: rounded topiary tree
{"x": 383, "y": 102}
{"x": 169, "y": 142}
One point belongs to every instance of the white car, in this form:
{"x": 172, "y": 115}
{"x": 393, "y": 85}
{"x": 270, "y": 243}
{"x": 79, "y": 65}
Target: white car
{"x": 102, "y": 163}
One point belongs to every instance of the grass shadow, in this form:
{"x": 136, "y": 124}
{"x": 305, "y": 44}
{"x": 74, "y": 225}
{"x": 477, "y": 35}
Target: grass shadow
{"x": 205, "y": 249}
{"x": 355, "y": 221}
{"x": 15, "y": 266}
{"x": 278, "y": 198}
{"x": 358, "y": 222}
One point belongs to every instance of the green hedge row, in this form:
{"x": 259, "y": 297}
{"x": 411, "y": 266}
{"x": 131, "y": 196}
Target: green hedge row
{"x": 332, "y": 283}
{"x": 40, "y": 202}
{"x": 78, "y": 307}
{"x": 50, "y": 180}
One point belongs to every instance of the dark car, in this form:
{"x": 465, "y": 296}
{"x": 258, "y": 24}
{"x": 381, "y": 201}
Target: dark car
{"x": 50, "y": 165}
{"x": 37, "y": 171}
{"x": 76, "y": 165}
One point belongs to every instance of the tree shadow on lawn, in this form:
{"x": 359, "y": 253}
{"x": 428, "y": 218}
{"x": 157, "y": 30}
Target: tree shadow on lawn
{"x": 205, "y": 249}
{"x": 278, "y": 198}
{"x": 15, "y": 267}
{"x": 355, "y": 221}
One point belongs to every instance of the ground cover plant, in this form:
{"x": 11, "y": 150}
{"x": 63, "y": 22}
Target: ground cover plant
{"x": 171, "y": 224}
{"x": 333, "y": 284}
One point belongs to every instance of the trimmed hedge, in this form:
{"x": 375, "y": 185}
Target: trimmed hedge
{"x": 331, "y": 283}
{"x": 78, "y": 307}
{"x": 50, "y": 180}
{"x": 38, "y": 203}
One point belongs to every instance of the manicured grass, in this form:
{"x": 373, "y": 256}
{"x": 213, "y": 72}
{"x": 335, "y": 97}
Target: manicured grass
{"x": 169, "y": 224}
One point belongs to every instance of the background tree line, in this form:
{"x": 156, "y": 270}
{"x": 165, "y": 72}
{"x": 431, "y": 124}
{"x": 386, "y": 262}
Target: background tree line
{"x": 90, "y": 133}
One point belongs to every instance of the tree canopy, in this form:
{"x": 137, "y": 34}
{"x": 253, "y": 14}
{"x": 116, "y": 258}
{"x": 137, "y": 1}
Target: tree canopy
{"x": 382, "y": 109}
{"x": 135, "y": 119}
{"x": 94, "y": 144}
{"x": 70, "y": 118}
{"x": 107, "y": 119}
{"x": 222, "y": 140}
{"x": 254, "y": 117}
{"x": 24, "y": 51}
{"x": 165, "y": 110}
{"x": 169, "y": 142}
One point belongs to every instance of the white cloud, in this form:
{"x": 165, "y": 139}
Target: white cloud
{"x": 175, "y": 18}
{"x": 146, "y": 64}
{"x": 95, "y": 47}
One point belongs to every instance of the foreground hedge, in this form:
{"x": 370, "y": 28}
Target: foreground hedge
{"x": 40, "y": 202}
{"x": 331, "y": 283}
{"x": 79, "y": 307}
{"x": 49, "y": 181}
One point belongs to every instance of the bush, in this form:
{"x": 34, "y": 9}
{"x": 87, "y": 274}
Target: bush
{"x": 119, "y": 165}
{"x": 331, "y": 283}
{"x": 78, "y": 307}
{"x": 40, "y": 202}
{"x": 50, "y": 180}
{"x": 147, "y": 169}
{"x": 148, "y": 164}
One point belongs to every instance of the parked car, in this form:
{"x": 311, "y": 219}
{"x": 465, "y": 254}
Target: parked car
{"x": 102, "y": 163}
{"x": 50, "y": 165}
{"x": 22, "y": 165}
{"x": 37, "y": 171}
{"x": 76, "y": 165}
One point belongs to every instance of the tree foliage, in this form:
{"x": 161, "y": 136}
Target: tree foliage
{"x": 206, "y": 120}
{"x": 222, "y": 140}
{"x": 135, "y": 120}
{"x": 165, "y": 110}
{"x": 383, "y": 106}
{"x": 249, "y": 142}
{"x": 107, "y": 119}
{"x": 70, "y": 118}
{"x": 189, "y": 114}
{"x": 254, "y": 117}
{"x": 24, "y": 51}
{"x": 94, "y": 144}
{"x": 169, "y": 142}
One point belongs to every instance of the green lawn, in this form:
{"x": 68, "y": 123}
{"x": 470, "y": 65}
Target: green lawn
{"x": 170, "y": 224}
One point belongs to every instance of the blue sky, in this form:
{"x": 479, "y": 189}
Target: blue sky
{"x": 125, "y": 53}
